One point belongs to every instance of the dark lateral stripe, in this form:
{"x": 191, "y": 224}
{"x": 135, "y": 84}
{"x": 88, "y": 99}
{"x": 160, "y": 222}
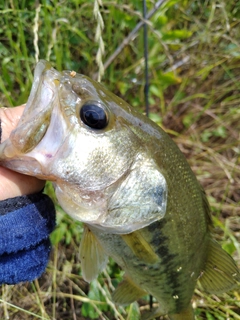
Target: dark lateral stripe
{"x": 169, "y": 264}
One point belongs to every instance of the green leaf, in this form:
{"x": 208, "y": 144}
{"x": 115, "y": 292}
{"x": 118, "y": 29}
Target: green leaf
{"x": 133, "y": 311}
{"x": 206, "y": 135}
{"x": 88, "y": 310}
{"x": 155, "y": 117}
{"x": 210, "y": 316}
{"x": 176, "y": 35}
{"x": 220, "y": 132}
{"x": 154, "y": 89}
{"x": 229, "y": 247}
{"x": 188, "y": 120}
{"x": 58, "y": 234}
{"x": 68, "y": 237}
{"x": 94, "y": 293}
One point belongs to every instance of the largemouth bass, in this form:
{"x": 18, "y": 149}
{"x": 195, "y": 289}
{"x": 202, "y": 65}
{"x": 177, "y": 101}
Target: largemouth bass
{"x": 127, "y": 181}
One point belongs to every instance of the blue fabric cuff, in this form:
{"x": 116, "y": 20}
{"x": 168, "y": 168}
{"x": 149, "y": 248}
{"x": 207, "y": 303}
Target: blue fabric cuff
{"x": 25, "y": 225}
{"x": 25, "y": 265}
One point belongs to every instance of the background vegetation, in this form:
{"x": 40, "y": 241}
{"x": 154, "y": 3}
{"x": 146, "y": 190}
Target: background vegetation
{"x": 194, "y": 62}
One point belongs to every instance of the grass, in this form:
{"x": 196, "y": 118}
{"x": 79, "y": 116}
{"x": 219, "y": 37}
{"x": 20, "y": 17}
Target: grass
{"x": 194, "y": 62}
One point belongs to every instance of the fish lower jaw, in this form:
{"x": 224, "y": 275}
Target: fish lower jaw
{"x": 30, "y": 167}
{"x": 79, "y": 207}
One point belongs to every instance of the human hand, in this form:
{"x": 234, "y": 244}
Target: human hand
{"x": 27, "y": 217}
{"x": 13, "y": 184}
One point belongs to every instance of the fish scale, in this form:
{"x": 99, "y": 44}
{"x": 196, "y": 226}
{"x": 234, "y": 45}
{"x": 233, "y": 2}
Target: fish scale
{"x": 161, "y": 279}
{"x": 127, "y": 181}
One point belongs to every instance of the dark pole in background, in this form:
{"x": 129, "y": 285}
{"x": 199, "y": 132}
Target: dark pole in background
{"x": 146, "y": 85}
{"x": 145, "y": 40}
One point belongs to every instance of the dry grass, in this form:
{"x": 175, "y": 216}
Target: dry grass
{"x": 197, "y": 102}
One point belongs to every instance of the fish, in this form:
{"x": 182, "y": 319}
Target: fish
{"x": 126, "y": 180}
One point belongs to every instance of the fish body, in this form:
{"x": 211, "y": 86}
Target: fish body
{"x": 127, "y": 181}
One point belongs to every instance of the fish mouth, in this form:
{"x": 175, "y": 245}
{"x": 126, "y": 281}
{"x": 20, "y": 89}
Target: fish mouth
{"x": 40, "y": 131}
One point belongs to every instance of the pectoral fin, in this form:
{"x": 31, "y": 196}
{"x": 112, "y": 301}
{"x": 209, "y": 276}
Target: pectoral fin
{"x": 92, "y": 256}
{"x": 220, "y": 273}
{"x": 127, "y": 292}
{"x": 140, "y": 247}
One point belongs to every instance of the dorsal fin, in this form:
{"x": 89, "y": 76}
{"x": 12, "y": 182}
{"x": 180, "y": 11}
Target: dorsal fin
{"x": 220, "y": 273}
{"x": 92, "y": 256}
{"x": 127, "y": 292}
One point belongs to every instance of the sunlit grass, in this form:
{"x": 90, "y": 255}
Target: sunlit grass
{"x": 194, "y": 60}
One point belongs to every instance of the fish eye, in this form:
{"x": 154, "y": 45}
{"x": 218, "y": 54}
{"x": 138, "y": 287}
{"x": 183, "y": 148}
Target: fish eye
{"x": 94, "y": 116}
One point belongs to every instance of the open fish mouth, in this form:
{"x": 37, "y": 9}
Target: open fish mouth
{"x": 40, "y": 131}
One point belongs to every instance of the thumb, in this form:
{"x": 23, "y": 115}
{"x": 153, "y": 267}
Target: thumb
{"x": 13, "y": 184}
{"x": 9, "y": 118}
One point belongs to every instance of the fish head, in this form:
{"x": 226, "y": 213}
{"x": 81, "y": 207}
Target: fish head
{"x": 78, "y": 135}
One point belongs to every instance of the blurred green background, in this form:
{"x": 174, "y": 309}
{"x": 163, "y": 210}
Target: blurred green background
{"x": 194, "y": 73}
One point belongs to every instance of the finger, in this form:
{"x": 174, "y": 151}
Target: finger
{"x": 14, "y": 184}
{"x": 9, "y": 119}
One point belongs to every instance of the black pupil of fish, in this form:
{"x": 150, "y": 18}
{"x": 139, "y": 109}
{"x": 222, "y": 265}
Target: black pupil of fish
{"x": 93, "y": 116}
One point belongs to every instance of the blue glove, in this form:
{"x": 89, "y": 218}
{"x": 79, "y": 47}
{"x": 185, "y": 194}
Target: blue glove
{"x": 25, "y": 225}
